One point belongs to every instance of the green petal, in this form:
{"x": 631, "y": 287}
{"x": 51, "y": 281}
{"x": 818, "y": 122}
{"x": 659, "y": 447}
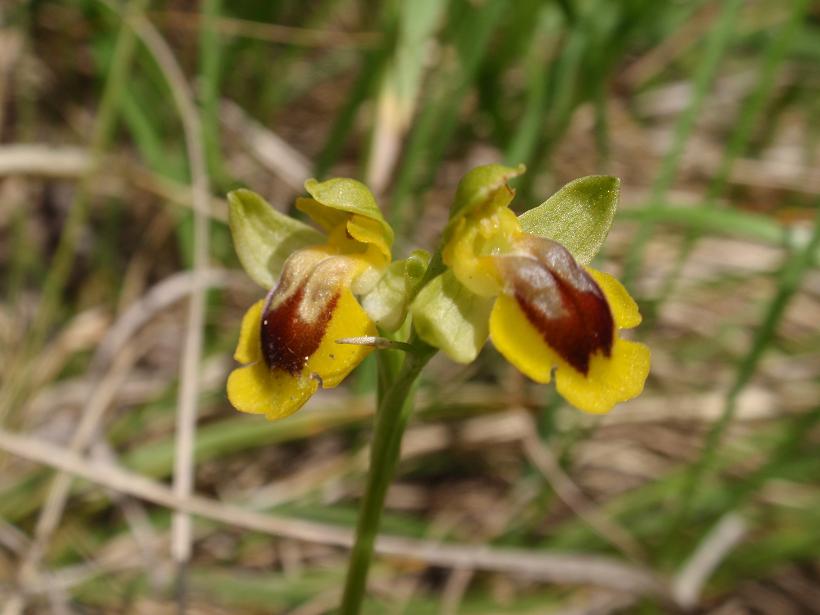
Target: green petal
{"x": 263, "y": 238}
{"x": 336, "y": 199}
{"x": 415, "y": 267}
{"x": 578, "y": 216}
{"x": 386, "y": 304}
{"x": 482, "y": 185}
{"x": 450, "y": 317}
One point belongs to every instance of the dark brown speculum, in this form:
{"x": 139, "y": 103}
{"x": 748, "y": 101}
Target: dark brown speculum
{"x": 561, "y": 301}
{"x": 288, "y": 340}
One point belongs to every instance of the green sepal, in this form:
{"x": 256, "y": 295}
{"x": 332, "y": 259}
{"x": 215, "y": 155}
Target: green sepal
{"x": 482, "y": 185}
{"x": 578, "y": 216}
{"x": 336, "y": 199}
{"x": 263, "y": 237}
{"x": 386, "y": 304}
{"x": 450, "y": 317}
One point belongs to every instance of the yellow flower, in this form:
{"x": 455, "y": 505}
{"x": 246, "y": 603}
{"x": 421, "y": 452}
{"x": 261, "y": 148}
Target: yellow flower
{"x": 543, "y": 310}
{"x": 287, "y": 342}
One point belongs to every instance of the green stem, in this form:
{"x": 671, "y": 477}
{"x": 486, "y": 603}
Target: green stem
{"x": 395, "y": 408}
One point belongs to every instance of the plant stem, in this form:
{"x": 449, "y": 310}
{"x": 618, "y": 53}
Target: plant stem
{"x": 395, "y": 408}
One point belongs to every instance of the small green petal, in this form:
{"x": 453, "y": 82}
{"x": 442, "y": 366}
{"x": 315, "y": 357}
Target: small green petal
{"x": 578, "y": 216}
{"x": 336, "y": 199}
{"x": 386, "y": 304}
{"x": 450, "y": 317}
{"x": 482, "y": 185}
{"x": 415, "y": 267}
{"x": 263, "y": 238}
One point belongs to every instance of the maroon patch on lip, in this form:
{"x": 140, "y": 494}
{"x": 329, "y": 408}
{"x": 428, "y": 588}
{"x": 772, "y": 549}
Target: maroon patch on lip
{"x": 562, "y": 301}
{"x": 287, "y": 340}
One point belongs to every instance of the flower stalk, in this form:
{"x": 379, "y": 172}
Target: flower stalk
{"x": 394, "y": 410}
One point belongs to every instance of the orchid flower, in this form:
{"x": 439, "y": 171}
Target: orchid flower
{"x": 288, "y": 343}
{"x": 525, "y": 283}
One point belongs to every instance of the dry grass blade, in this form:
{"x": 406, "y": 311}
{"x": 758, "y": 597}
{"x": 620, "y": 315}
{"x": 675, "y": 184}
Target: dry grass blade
{"x": 162, "y": 295}
{"x": 138, "y": 522}
{"x": 267, "y": 147}
{"x": 600, "y": 603}
{"x": 567, "y": 568}
{"x": 776, "y": 174}
{"x": 724, "y": 537}
{"x": 192, "y": 348}
{"x": 52, "y": 510}
{"x": 543, "y": 459}
{"x": 457, "y": 584}
{"x": 44, "y": 160}
{"x": 12, "y": 538}
{"x": 274, "y": 33}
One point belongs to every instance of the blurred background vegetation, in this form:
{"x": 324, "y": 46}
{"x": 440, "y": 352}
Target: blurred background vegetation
{"x": 122, "y": 126}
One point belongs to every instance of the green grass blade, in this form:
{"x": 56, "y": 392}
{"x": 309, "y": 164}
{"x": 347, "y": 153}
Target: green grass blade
{"x": 439, "y": 118}
{"x": 789, "y": 280}
{"x": 773, "y": 57}
{"x": 210, "y": 59}
{"x": 717, "y": 44}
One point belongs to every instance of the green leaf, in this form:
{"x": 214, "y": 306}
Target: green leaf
{"x": 578, "y": 216}
{"x": 335, "y": 199}
{"x": 386, "y": 304}
{"x": 449, "y": 316}
{"x": 263, "y": 238}
{"x": 482, "y": 185}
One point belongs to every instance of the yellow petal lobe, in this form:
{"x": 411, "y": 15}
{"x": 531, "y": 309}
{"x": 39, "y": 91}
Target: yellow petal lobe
{"x": 276, "y": 394}
{"x": 248, "y": 349}
{"x": 333, "y": 361}
{"x": 624, "y": 309}
{"x": 475, "y": 271}
{"x": 369, "y": 231}
{"x": 610, "y": 380}
{"x": 322, "y": 215}
{"x": 474, "y": 241}
{"x": 519, "y": 341}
